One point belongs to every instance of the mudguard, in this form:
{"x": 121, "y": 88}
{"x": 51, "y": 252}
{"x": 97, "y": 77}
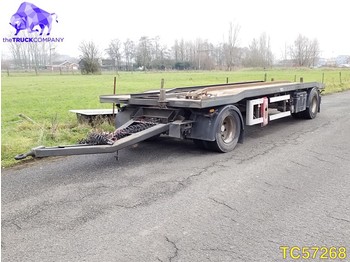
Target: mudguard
{"x": 205, "y": 126}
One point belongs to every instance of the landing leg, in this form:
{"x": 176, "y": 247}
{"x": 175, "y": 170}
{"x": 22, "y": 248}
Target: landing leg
{"x": 116, "y": 156}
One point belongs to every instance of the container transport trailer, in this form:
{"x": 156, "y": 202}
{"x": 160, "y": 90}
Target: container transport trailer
{"x": 213, "y": 116}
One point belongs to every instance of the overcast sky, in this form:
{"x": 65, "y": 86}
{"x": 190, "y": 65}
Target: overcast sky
{"x": 102, "y": 20}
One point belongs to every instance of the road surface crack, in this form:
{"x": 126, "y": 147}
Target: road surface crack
{"x": 204, "y": 170}
{"x": 339, "y": 218}
{"x": 329, "y": 154}
{"x": 251, "y": 157}
{"x": 289, "y": 188}
{"x": 324, "y": 160}
{"x": 299, "y": 164}
{"x": 176, "y": 249}
{"x": 223, "y": 203}
{"x": 233, "y": 220}
{"x": 16, "y": 225}
{"x": 26, "y": 215}
{"x": 128, "y": 207}
{"x": 317, "y": 156}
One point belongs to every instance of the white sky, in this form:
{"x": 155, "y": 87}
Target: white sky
{"x": 102, "y": 21}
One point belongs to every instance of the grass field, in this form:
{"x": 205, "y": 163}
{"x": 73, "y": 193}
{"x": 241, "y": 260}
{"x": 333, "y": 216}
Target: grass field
{"x": 43, "y": 101}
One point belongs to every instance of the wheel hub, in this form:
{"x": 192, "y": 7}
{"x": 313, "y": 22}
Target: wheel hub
{"x": 228, "y": 130}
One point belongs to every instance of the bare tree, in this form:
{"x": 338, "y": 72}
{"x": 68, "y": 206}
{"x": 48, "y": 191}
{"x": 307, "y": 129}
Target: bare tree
{"x": 259, "y": 53}
{"x": 162, "y": 60}
{"x": 305, "y": 52}
{"x": 155, "y": 48}
{"x": 190, "y": 52}
{"x": 252, "y": 58}
{"x": 315, "y": 52}
{"x": 265, "y": 50}
{"x": 182, "y": 50}
{"x": 204, "y": 54}
{"x": 5, "y": 64}
{"x": 179, "y": 51}
{"x": 144, "y": 50}
{"x": 231, "y": 46}
{"x": 184, "y": 54}
{"x": 18, "y": 54}
{"x": 175, "y": 50}
{"x": 89, "y": 63}
{"x": 157, "y": 53}
{"x": 129, "y": 53}
{"x": 29, "y": 55}
{"x": 198, "y": 54}
{"x": 114, "y": 52}
{"x": 219, "y": 56}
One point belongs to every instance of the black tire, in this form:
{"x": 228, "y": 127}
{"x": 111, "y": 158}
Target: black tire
{"x": 228, "y": 132}
{"x": 312, "y": 106}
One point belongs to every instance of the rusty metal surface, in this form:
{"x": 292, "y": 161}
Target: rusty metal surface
{"x": 208, "y": 96}
{"x": 230, "y": 89}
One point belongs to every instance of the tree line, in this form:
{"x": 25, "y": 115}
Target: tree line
{"x": 30, "y": 55}
{"x": 200, "y": 54}
{"x": 149, "y": 53}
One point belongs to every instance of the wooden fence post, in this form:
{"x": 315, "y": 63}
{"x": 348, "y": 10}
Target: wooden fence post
{"x": 322, "y": 77}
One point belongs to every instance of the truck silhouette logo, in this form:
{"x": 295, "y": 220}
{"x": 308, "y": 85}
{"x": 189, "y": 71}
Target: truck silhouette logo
{"x": 30, "y": 17}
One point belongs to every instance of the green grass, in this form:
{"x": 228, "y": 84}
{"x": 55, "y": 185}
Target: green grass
{"x": 47, "y": 98}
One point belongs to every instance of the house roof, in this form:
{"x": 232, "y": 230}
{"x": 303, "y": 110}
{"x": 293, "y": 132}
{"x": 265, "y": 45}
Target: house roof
{"x": 63, "y": 63}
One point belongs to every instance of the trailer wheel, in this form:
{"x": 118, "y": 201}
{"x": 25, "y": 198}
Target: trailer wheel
{"x": 227, "y": 132}
{"x": 312, "y": 106}
{"x": 311, "y": 112}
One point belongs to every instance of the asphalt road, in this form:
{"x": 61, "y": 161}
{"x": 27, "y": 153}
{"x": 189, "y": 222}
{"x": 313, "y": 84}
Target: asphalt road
{"x": 287, "y": 185}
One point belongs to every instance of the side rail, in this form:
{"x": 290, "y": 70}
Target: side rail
{"x": 300, "y": 104}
